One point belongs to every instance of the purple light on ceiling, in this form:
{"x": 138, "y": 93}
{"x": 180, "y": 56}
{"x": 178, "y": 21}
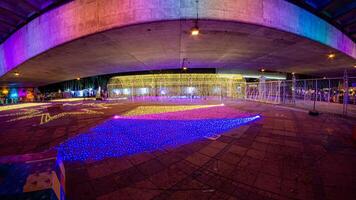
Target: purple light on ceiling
{"x": 70, "y": 21}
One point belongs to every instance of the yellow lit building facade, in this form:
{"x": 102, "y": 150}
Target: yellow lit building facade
{"x": 178, "y": 85}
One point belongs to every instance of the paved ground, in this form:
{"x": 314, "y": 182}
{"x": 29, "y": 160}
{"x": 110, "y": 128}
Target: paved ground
{"x": 285, "y": 155}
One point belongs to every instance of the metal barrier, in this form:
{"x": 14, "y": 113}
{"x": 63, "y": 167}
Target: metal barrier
{"x": 324, "y": 95}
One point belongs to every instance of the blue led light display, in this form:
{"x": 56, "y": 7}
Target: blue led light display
{"x": 120, "y": 137}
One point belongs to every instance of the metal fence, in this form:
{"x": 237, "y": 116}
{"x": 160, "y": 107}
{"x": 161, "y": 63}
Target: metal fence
{"x": 333, "y": 95}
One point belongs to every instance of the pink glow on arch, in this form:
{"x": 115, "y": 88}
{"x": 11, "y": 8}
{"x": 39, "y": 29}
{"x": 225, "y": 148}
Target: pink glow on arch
{"x": 81, "y": 18}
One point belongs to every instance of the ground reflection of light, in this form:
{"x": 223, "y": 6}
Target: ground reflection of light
{"x": 184, "y": 113}
{"x": 71, "y": 99}
{"x": 143, "y": 110}
{"x": 18, "y": 106}
{"x": 125, "y": 135}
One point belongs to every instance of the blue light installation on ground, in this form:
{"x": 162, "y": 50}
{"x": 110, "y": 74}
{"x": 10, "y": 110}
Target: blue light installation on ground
{"x": 120, "y": 137}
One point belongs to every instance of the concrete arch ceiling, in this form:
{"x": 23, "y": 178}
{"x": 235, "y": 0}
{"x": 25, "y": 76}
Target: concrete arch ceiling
{"x": 84, "y": 38}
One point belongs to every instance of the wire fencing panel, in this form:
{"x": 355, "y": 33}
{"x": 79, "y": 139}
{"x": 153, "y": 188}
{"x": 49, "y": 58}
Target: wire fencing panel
{"x": 323, "y": 95}
{"x": 320, "y": 94}
{"x": 268, "y": 92}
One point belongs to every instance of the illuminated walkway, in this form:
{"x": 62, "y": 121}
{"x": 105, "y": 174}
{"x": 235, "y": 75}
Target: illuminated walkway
{"x": 286, "y": 154}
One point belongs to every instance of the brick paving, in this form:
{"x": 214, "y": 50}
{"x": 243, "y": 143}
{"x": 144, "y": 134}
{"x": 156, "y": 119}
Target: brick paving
{"x": 285, "y": 155}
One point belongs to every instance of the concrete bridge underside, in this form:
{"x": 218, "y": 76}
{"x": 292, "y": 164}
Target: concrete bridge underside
{"x": 85, "y": 38}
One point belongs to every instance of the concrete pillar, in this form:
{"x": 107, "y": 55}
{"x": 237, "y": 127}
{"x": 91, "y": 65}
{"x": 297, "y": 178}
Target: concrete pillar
{"x": 346, "y": 93}
{"x": 293, "y": 88}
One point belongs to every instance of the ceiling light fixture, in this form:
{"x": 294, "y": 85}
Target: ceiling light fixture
{"x": 17, "y": 74}
{"x": 263, "y": 70}
{"x": 184, "y": 65}
{"x": 195, "y": 30}
{"x": 78, "y": 79}
{"x": 331, "y": 56}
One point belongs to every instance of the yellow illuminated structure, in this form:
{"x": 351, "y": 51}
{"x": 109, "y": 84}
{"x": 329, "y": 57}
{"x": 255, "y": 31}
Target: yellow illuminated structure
{"x": 177, "y": 85}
